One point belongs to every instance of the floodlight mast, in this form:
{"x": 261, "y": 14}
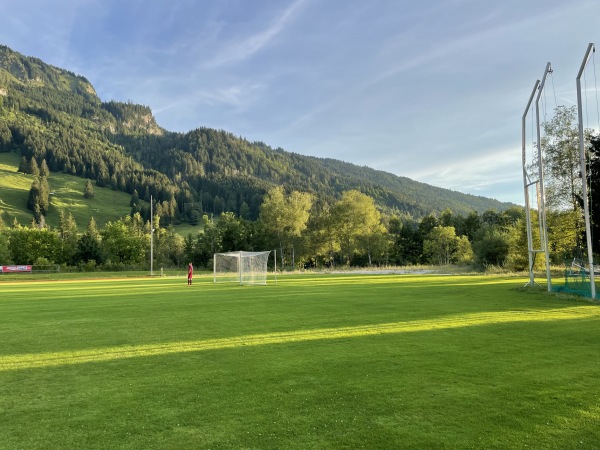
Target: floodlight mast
{"x": 543, "y": 225}
{"x": 151, "y": 239}
{"x": 526, "y": 184}
{"x": 583, "y": 160}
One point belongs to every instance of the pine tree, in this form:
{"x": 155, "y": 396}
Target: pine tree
{"x": 34, "y": 169}
{"x": 34, "y": 195}
{"x": 67, "y": 227}
{"x": 38, "y": 218}
{"x": 67, "y": 231}
{"x": 135, "y": 199}
{"x": 44, "y": 171}
{"x": 88, "y": 190}
{"x": 92, "y": 229}
{"x": 44, "y": 200}
{"x": 88, "y": 245}
{"x": 113, "y": 182}
{"x": 24, "y": 165}
{"x": 5, "y": 136}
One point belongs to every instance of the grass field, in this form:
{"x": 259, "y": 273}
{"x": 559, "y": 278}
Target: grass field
{"x": 316, "y": 361}
{"x": 68, "y": 196}
{"x": 107, "y": 205}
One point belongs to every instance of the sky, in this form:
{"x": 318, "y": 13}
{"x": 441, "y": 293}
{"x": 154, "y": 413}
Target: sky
{"x": 431, "y": 90}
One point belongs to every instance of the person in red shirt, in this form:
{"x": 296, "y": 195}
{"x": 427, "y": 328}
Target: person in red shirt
{"x": 190, "y": 274}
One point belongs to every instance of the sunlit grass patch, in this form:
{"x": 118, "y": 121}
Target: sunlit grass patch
{"x": 9, "y": 162}
{"x": 67, "y": 195}
{"x": 28, "y": 361}
{"x": 316, "y": 361}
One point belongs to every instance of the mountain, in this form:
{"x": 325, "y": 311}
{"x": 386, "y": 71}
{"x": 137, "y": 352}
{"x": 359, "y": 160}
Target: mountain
{"x": 53, "y": 115}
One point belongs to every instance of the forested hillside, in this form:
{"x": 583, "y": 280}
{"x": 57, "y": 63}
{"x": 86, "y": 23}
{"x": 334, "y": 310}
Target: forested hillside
{"x": 54, "y": 116}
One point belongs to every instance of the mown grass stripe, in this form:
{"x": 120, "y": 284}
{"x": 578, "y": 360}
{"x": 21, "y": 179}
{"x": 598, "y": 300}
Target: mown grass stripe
{"x": 37, "y": 360}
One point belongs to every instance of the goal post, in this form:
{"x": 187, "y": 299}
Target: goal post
{"x": 244, "y": 268}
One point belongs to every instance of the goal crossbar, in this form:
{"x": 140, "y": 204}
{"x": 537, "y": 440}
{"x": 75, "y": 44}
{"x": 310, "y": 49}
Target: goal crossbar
{"x": 244, "y": 268}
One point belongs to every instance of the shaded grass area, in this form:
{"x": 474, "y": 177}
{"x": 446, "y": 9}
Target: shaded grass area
{"x": 316, "y": 361}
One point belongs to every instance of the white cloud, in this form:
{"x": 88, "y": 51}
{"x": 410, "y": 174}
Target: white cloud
{"x": 477, "y": 175}
{"x": 247, "y": 46}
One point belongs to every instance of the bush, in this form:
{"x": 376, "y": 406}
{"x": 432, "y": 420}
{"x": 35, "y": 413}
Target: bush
{"x": 41, "y": 261}
{"x": 491, "y": 247}
{"x": 88, "y": 266}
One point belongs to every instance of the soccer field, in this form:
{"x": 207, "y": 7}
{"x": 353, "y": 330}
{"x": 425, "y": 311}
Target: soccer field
{"x": 316, "y": 361}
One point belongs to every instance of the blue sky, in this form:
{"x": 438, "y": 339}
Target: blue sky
{"x": 432, "y": 90}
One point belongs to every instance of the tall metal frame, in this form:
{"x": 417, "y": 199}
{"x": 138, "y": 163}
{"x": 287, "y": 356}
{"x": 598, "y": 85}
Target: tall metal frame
{"x": 583, "y": 162}
{"x": 151, "y": 239}
{"x": 539, "y": 184}
{"x": 527, "y": 183}
{"x": 542, "y": 195}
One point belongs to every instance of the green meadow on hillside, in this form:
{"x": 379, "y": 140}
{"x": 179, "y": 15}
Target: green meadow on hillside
{"x": 107, "y": 205}
{"x": 315, "y": 361}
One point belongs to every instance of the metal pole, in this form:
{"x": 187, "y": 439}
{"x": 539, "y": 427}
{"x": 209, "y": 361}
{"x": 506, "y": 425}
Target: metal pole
{"x": 275, "y": 264}
{"x": 543, "y": 225}
{"x": 240, "y": 266}
{"x": 526, "y": 185}
{"x": 151, "y": 239}
{"x": 583, "y": 163}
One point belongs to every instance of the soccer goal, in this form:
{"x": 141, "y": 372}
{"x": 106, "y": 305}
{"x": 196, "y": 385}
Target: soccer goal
{"x": 241, "y": 267}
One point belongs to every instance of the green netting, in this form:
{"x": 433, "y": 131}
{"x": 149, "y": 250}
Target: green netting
{"x": 577, "y": 279}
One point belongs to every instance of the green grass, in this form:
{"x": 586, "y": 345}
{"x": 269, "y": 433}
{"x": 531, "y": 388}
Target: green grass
{"x": 14, "y": 190}
{"x": 107, "y": 205}
{"x": 185, "y": 229}
{"x": 316, "y": 361}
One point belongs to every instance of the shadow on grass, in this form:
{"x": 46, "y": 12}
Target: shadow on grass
{"x": 30, "y": 361}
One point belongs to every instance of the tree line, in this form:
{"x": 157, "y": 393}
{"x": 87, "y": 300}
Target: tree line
{"x": 305, "y": 231}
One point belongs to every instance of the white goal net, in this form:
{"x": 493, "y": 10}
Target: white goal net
{"x": 241, "y": 267}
